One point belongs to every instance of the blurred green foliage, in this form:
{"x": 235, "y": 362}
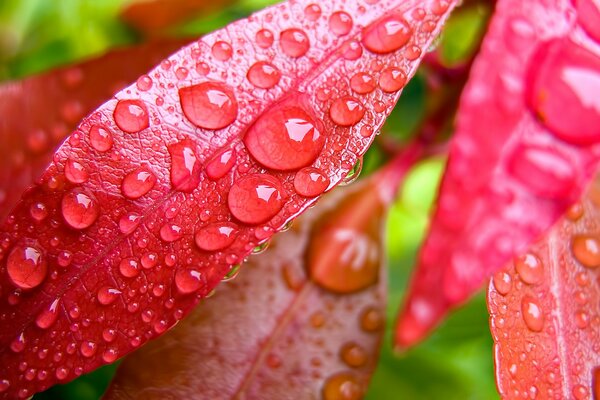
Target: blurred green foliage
{"x": 456, "y": 361}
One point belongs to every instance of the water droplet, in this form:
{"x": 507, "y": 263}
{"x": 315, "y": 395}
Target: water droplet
{"x": 188, "y": 280}
{"x": 351, "y": 50}
{"x": 38, "y": 211}
{"x": 128, "y": 223}
{"x": 386, "y": 35}
{"x": 285, "y": 138}
{"x": 233, "y": 272}
{"x": 4, "y": 385}
{"x": 149, "y": 260}
{"x": 294, "y": 42}
{"x": 185, "y": 167}
{"x": 110, "y": 355}
{"x": 80, "y": 209}
{"x": 413, "y": 52}
{"x": 264, "y": 38}
{"x": 530, "y": 268}
{"x": 75, "y": 172}
{"x": 342, "y": 386}
{"x": 312, "y": 12}
{"x": 261, "y": 248}
{"x": 586, "y": 250}
{"x": 209, "y": 105}
{"x": 256, "y": 198}
{"x": 502, "y": 282}
{"x": 48, "y": 316}
{"x": 100, "y": 138}
{"x": 88, "y": 348}
{"x": 137, "y": 183}
{"x": 392, "y": 80}
{"x": 353, "y": 174}
{"x": 532, "y": 314}
{"x": 222, "y": 51}
{"x": 582, "y": 319}
{"x": 371, "y": 320}
{"x": 107, "y": 295}
{"x": 310, "y": 182}
{"x": 26, "y": 266}
{"x": 144, "y": 83}
{"x": 565, "y": 73}
{"x": 220, "y": 164}
{"x": 363, "y": 83}
{"x": 354, "y": 355}
{"x": 263, "y": 75}
{"x": 217, "y": 236}
{"x": 109, "y": 335}
{"x": 131, "y": 116}
{"x": 340, "y": 23}
{"x": 129, "y": 267}
{"x": 18, "y": 345}
{"x": 346, "y": 111}
{"x": 581, "y": 392}
{"x": 171, "y": 232}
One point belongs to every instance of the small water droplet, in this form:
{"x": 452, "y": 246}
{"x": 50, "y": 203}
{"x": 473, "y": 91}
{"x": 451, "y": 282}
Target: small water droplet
{"x": 80, "y": 209}
{"x": 363, "y": 83}
{"x": 354, "y": 355}
{"x": 312, "y": 12}
{"x": 353, "y": 174}
{"x": 75, "y": 172}
{"x": 128, "y": 223}
{"x": 285, "y": 138}
{"x": 532, "y": 314}
{"x": 351, "y": 50}
{"x": 222, "y": 51}
{"x": 586, "y": 250}
{"x": 340, "y": 23}
{"x": 310, "y": 182}
{"x": 294, "y": 42}
{"x": 107, "y": 295}
{"x": 502, "y": 282}
{"x": 4, "y": 385}
{"x": 171, "y": 232}
{"x": 233, "y": 272}
{"x": 188, "y": 280}
{"x": 386, "y": 35}
{"x": 372, "y": 320}
{"x": 100, "y": 138}
{"x": 582, "y": 319}
{"x": 109, "y": 335}
{"x": 581, "y": 392}
{"x": 88, "y": 349}
{"x": 530, "y": 268}
{"x": 392, "y": 80}
{"x": 131, "y": 116}
{"x": 110, "y": 355}
{"x": 220, "y": 164}
{"x": 263, "y": 75}
{"x": 137, "y": 183}
{"x": 149, "y": 260}
{"x": 346, "y": 111}
{"x": 48, "y": 316}
{"x": 38, "y": 211}
{"x": 129, "y": 267}
{"x": 185, "y": 166}
{"x": 217, "y": 236}
{"x": 209, "y": 105}
{"x": 26, "y": 266}
{"x": 256, "y": 198}
{"x": 144, "y": 83}
{"x": 342, "y": 386}
{"x": 18, "y": 345}
{"x": 264, "y": 38}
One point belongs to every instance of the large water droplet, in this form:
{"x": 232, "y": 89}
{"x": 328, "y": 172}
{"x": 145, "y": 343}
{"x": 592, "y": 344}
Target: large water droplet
{"x": 220, "y": 164}
{"x": 188, "y": 280}
{"x": 340, "y": 23}
{"x": 100, "y": 138}
{"x": 363, "y": 83}
{"x": 26, "y": 266}
{"x": 530, "y": 268}
{"x": 79, "y": 209}
{"x": 256, "y": 198}
{"x": 532, "y": 314}
{"x": 47, "y": 317}
{"x": 342, "y": 386}
{"x": 185, "y": 167}
{"x": 217, "y": 236}
{"x": 137, "y": 183}
{"x": 386, "y": 35}
{"x": 75, "y": 172}
{"x": 346, "y": 111}
{"x": 392, "y": 80}
{"x": 586, "y": 250}
{"x": 285, "y": 138}
{"x": 544, "y": 170}
{"x": 310, "y": 182}
{"x": 294, "y": 42}
{"x": 131, "y": 116}
{"x": 107, "y": 295}
{"x": 263, "y": 75}
{"x": 209, "y": 105}
{"x": 565, "y": 73}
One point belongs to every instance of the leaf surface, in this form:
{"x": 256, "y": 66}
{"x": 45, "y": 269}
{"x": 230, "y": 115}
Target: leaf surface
{"x": 37, "y": 113}
{"x": 163, "y": 190}
{"x": 525, "y": 146}
{"x": 545, "y": 315}
{"x": 282, "y": 328}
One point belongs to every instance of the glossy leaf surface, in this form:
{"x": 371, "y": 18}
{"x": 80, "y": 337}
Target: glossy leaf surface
{"x": 525, "y": 146}
{"x": 545, "y": 315}
{"x": 163, "y": 190}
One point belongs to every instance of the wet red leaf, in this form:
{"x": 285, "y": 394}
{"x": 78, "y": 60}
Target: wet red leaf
{"x": 37, "y": 113}
{"x": 279, "y": 330}
{"x": 525, "y": 146}
{"x": 126, "y": 219}
{"x": 544, "y": 311}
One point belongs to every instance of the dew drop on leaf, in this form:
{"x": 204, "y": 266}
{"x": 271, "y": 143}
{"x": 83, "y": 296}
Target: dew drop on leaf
{"x": 48, "y": 316}
{"x": 346, "y": 111}
{"x": 371, "y": 320}
{"x": 26, "y": 266}
{"x": 392, "y": 80}
{"x": 222, "y": 51}
{"x": 171, "y": 232}
{"x": 312, "y": 12}
{"x": 264, "y": 38}
{"x": 137, "y": 183}
{"x": 131, "y": 116}
{"x": 255, "y": 199}
{"x": 354, "y": 355}
{"x": 216, "y": 236}
{"x": 342, "y": 386}
{"x": 185, "y": 167}
{"x": 586, "y": 250}
{"x": 129, "y": 268}
{"x": 188, "y": 281}
{"x": 79, "y": 209}
{"x": 209, "y": 105}
{"x": 107, "y": 295}
{"x": 532, "y": 313}
{"x": 100, "y": 138}
{"x": 88, "y": 349}
{"x": 38, "y": 211}
{"x": 362, "y": 83}
{"x": 530, "y": 268}
{"x": 294, "y": 42}
{"x": 263, "y": 75}
{"x": 386, "y": 35}
{"x": 310, "y": 182}
{"x": 75, "y": 172}
{"x": 220, "y": 164}
{"x": 502, "y": 282}
{"x": 128, "y": 223}
{"x": 340, "y": 23}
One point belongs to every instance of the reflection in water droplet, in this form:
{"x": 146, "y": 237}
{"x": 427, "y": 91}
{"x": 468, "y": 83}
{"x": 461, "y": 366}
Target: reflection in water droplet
{"x": 107, "y": 295}
{"x": 129, "y": 268}
{"x": 88, "y": 349}
{"x": 26, "y": 266}
{"x": 171, "y": 232}
{"x": 209, "y": 105}
{"x": 264, "y": 38}
{"x": 38, "y": 211}
{"x": 353, "y": 174}
{"x": 131, "y": 116}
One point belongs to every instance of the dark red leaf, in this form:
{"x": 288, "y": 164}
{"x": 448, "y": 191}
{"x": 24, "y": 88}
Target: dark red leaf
{"x": 525, "y": 147}
{"x": 545, "y": 315}
{"x": 37, "y": 113}
{"x": 104, "y": 253}
{"x": 280, "y": 329}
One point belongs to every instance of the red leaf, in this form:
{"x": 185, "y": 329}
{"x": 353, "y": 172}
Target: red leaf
{"x": 544, "y": 311}
{"x": 275, "y": 332}
{"x": 524, "y": 149}
{"x": 36, "y": 114}
{"x": 101, "y": 247}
